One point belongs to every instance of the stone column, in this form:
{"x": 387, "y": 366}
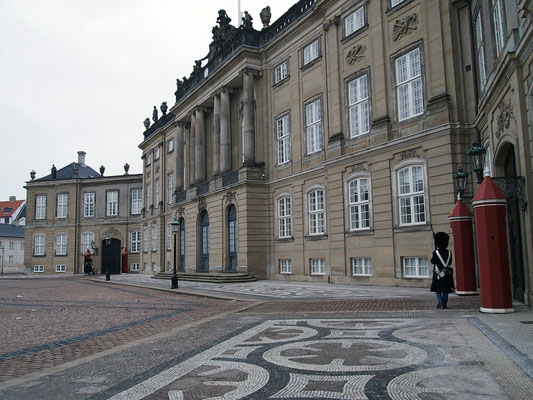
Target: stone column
{"x": 225, "y": 151}
{"x": 192, "y": 151}
{"x": 248, "y": 146}
{"x": 179, "y": 157}
{"x": 216, "y": 134}
{"x": 199, "y": 165}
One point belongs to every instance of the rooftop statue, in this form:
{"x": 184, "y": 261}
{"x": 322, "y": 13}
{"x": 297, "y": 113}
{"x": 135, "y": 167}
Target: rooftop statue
{"x": 155, "y": 117}
{"x": 222, "y": 34}
{"x": 247, "y": 20}
{"x": 265, "y": 15}
{"x": 197, "y": 67}
{"x": 147, "y": 123}
{"x": 164, "y": 108}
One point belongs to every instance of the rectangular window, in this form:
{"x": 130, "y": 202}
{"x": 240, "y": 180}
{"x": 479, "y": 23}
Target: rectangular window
{"x": 156, "y": 153}
{"x": 311, "y": 52}
{"x": 415, "y": 267}
{"x": 315, "y": 204}
{"x": 361, "y": 267}
{"x": 62, "y": 205}
{"x": 281, "y": 72}
{"x": 145, "y": 239}
{"x": 285, "y": 266}
{"x": 394, "y": 3}
{"x": 88, "y": 205}
{"x": 40, "y": 206}
{"x": 148, "y": 195}
{"x": 156, "y": 193}
{"x": 169, "y": 236}
{"x": 170, "y": 146}
{"x": 283, "y": 135}
{"x": 134, "y": 267}
{"x": 284, "y": 218}
{"x": 154, "y": 238}
{"x": 148, "y": 158}
{"x": 146, "y": 267}
{"x": 354, "y": 21}
{"x": 313, "y": 126}
{"x": 38, "y": 244}
{"x": 499, "y": 27}
{"x": 112, "y": 203}
{"x": 61, "y": 268}
{"x": 87, "y": 241}
{"x": 409, "y": 85}
{"x": 318, "y": 266}
{"x": 170, "y": 193}
{"x": 136, "y": 201}
{"x": 11, "y": 245}
{"x": 135, "y": 245}
{"x": 11, "y": 261}
{"x": 359, "y": 203}
{"x": 61, "y": 244}
{"x": 358, "y": 106}
{"x": 38, "y": 268}
{"x": 480, "y": 51}
{"x": 22, "y": 245}
{"x": 411, "y": 196}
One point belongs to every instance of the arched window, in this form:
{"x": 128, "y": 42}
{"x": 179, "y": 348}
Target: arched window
{"x": 204, "y": 241}
{"x": 358, "y": 198}
{"x": 411, "y": 192}
{"x": 284, "y": 208}
{"x": 232, "y": 238}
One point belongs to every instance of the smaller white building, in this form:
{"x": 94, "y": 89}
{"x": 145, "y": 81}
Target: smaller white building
{"x": 11, "y": 249}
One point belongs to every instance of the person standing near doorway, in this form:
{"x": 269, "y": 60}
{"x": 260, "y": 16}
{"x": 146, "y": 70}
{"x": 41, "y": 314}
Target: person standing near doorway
{"x": 442, "y": 283}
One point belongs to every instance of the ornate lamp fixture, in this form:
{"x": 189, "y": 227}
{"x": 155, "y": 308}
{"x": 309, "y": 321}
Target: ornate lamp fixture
{"x": 477, "y": 157}
{"x": 460, "y": 179}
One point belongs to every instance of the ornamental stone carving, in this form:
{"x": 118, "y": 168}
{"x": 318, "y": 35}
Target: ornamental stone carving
{"x": 155, "y": 117}
{"x": 181, "y": 211}
{"x": 201, "y": 203}
{"x": 230, "y": 196}
{"x": 405, "y": 26}
{"x": 247, "y": 20}
{"x": 504, "y": 117}
{"x": 408, "y": 154}
{"x": 357, "y": 53}
{"x": 265, "y": 15}
{"x": 358, "y": 168}
{"x": 147, "y": 123}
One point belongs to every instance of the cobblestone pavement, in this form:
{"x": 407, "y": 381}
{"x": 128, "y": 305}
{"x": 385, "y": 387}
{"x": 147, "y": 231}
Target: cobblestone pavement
{"x": 372, "y": 347}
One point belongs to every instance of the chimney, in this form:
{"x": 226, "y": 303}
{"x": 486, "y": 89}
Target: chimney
{"x": 12, "y": 198}
{"x": 81, "y": 158}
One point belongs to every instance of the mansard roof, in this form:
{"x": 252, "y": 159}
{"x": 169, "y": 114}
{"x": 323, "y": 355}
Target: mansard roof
{"x": 11, "y": 231}
{"x": 68, "y": 172}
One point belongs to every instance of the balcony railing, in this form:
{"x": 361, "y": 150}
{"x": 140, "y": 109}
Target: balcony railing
{"x": 181, "y": 196}
{"x": 202, "y": 188}
{"x": 230, "y": 178}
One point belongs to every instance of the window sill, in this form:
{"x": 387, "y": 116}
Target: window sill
{"x": 285, "y": 240}
{"x": 413, "y": 228}
{"x": 285, "y": 273}
{"x": 362, "y": 276}
{"x": 397, "y": 7}
{"x": 311, "y": 63}
{"x": 60, "y": 255}
{"x": 318, "y": 274}
{"x": 416, "y": 277}
{"x": 352, "y": 35}
{"x": 316, "y": 237}
{"x": 365, "y": 232}
{"x": 281, "y": 82}
{"x": 39, "y": 255}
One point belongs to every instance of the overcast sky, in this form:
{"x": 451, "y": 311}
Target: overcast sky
{"x": 83, "y": 75}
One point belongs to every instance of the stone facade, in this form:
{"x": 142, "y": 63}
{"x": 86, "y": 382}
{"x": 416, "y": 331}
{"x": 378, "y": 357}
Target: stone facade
{"x": 57, "y": 236}
{"x": 503, "y": 44}
{"x": 333, "y": 137}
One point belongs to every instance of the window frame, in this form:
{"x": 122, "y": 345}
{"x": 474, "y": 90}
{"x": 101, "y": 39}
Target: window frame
{"x": 287, "y": 268}
{"x": 416, "y": 47}
{"x": 11, "y": 245}
{"x": 318, "y": 212}
{"x": 61, "y": 206}
{"x": 283, "y": 221}
{"x": 285, "y": 138}
{"x": 306, "y": 64}
{"x": 349, "y": 204}
{"x": 108, "y": 203}
{"x": 38, "y": 269}
{"x": 170, "y": 187}
{"x": 479, "y": 49}
{"x": 284, "y": 74}
{"x": 62, "y": 268}
{"x": 39, "y": 245}
{"x": 61, "y": 248}
{"x": 169, "y": 236}
{"x": 157, "y": 153}
{"x": 170, "y": 145}
{"x": 85, "y": 204}
{"x": 352, "y": 12}
{"x": 146, "y": 239}
{"x": 40, "y": 208}
{"x": 154, "y": 238}
{"x": 307, "y": 125}
{"x": 10, "y": 260}
{"x": 348, "y": 106}
{"x": 321, "y": 266}
{"x": 148, "y": 193}
{"x": 157, "y": 192}
{"x": 135, "y": 267}
{"x": 135, "y": 245}
{"x": 499, "y": 28}
{"x": 417, "y": 267}
{"x": 136, "y": 203}
{"x": 90, "y": 235}
{"x": 366, "y": 269}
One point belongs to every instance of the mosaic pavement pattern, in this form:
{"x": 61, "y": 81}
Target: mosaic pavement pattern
{"x": 343, "y": 359}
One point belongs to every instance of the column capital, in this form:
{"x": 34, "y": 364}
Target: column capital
{"x": 204, "y": 109}
{"x": 227, "y": 89}
{"x": 251, "y": 71}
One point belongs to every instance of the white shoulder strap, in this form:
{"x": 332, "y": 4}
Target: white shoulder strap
{"x": 442, "y": 261}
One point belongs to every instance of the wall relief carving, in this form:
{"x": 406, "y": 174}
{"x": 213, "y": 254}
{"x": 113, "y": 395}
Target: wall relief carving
{"x": 358, "y": 168}
{"x": 357, "y": 53}
{"x": 408, "y": 154}
{"x": 201, "y": 203}
{"x": 405, "y": 26}
{"x": 505, "y": 113}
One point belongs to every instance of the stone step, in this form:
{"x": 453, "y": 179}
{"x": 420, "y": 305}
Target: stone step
{"x": 212, "y": 277}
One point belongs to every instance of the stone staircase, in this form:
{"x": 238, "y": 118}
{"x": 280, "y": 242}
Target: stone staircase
{"x": 212, "y": 277}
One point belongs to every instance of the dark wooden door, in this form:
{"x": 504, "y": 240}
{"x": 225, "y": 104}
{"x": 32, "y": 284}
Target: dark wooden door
{"x": 111, "y": 256}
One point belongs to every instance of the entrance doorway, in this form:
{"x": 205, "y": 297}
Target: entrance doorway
{"x": 232, "y": 239}
{"x": 111, "y": 256}
{"x": 514, "y": 231}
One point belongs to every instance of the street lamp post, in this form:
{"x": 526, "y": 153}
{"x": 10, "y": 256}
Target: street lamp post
{"x": 477, "y": 156}
{"x": 175, "y": 226}
{"x": 107, "y": 274}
